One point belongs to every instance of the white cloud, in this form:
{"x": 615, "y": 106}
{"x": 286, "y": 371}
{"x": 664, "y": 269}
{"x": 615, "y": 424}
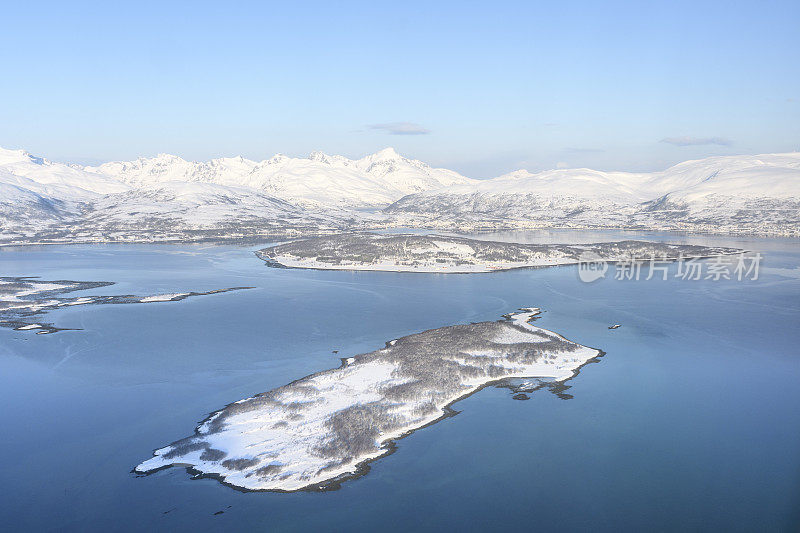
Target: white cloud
{"x": 585, "y": 150}
{"x": 696, "y": 141}
{"x": 400, "y": 128}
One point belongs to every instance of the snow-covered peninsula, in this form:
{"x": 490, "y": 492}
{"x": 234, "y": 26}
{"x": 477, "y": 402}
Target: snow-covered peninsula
{"x": 448, "y": 254}
{"x": 24, "y": 300}
{"x": 324, "y": 428}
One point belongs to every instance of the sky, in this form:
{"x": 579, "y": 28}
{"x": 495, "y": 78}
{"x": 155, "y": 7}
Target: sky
{"x": 480, "y": 87}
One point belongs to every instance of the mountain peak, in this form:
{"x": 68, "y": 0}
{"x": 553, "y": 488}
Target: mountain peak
{"x": 322, "y": 157}
{"x": 170, "y": 158}
{"x": 385, "y": 155}
{"x": 14, "y": 156}
{"x": 277, "y": 158}
{"x": 518, "y": 174}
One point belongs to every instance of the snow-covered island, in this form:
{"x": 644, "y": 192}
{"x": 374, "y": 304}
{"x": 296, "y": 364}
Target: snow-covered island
{"x": 317, "y": 431}
{"x": 23, "y": 299}
{"x": 448, "y": 254}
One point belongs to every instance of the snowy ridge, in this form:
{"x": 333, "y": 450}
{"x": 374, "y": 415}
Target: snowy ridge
{"x": 320, "y": 179}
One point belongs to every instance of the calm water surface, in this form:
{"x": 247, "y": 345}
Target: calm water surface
{"x": 690, "y": 421}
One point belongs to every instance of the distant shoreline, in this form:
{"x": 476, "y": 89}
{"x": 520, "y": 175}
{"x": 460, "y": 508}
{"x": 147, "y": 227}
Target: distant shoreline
{"x": 432, "y": 255}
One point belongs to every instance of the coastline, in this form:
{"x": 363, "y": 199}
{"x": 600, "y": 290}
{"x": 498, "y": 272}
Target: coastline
{"x": 35, "y": 297}
{"x": 259, "y": 238}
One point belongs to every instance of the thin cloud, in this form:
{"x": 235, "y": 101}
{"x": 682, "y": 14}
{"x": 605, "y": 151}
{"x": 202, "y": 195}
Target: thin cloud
{"x": 400, "y": 128}
{"x": 696, "y": 141}
{"x": 585, "y": 150}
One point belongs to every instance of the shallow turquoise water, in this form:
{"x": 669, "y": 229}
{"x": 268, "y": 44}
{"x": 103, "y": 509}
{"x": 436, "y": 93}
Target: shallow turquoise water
{"x": 690, "y": 421}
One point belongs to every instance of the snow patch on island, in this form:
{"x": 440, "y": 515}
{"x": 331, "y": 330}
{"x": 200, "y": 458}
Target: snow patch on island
{"x": 324, "y": 428}
{"x": 164, "y": 297}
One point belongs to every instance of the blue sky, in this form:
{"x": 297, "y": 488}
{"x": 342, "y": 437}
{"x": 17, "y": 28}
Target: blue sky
{"x": 481, "y": 87}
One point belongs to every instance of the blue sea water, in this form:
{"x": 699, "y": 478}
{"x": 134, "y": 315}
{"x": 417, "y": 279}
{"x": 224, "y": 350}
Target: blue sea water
{"x": 691, "y": 421}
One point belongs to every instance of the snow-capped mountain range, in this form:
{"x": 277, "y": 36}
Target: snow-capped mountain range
{"x": 168, "y": 198}
{"x": 318, "y": 180}
{"x": 730, "y": 194}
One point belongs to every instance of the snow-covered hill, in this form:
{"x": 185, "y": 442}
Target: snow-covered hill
{"x": 34, "y": 189}
{"x": 42, "y": 176}
{"x": 750, "y": 194}
{"x": 169, "y": 198}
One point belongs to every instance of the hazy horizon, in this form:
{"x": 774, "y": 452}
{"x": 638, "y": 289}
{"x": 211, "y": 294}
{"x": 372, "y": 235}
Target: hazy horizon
{"x": 89, "y": 162}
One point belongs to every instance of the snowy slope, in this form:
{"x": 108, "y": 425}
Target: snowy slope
{"x": 20, "y": 204}
{"x": 196, "y": 205}
{"x": 767, "y": 175}
{"x": 39, "y": 175}
{"x": 578, "y": 183}
{"x": 33, "y": 188}
{"x": 753, "y": 194}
